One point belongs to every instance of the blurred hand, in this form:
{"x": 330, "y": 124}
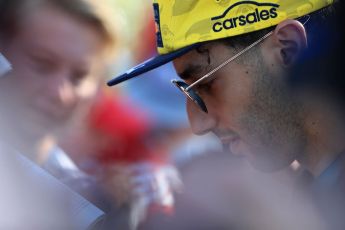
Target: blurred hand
{"x": 144, "y": 186}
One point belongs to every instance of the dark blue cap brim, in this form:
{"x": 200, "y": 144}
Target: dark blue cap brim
{"x": 151, "y": 64}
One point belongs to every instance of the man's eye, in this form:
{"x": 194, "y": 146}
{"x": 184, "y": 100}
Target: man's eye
{"x": 206, "y": 87}
{"x": 77, "y": 78}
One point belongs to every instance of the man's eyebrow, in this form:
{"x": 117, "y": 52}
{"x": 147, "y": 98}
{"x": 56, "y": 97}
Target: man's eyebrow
{"x": 191, "y": 71}
{"x": 41, "y": 52}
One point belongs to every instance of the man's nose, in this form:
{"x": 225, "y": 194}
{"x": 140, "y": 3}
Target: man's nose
{"x": 201, "y": 122}
{"x": 62, "y": 92}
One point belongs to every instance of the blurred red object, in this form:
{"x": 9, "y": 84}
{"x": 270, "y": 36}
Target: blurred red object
{"x": 122, "y": 128}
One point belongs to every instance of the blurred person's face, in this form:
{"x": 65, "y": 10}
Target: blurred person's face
{"x": 54, "y": 56}
{"x": 249, "y": 106}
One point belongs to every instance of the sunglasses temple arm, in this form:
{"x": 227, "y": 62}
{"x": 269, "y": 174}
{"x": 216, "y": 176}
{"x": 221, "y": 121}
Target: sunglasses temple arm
{"x": 228, "y": 61}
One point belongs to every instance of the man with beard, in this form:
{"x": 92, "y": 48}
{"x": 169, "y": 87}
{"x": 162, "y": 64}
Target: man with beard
{"x": 236, "y": 81}
{"x": 234, "y": 59}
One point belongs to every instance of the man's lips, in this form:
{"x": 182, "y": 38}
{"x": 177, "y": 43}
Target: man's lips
{"x": 231, "y": 144}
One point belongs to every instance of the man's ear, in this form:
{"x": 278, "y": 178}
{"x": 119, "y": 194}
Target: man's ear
{"x": 290, "y": 39}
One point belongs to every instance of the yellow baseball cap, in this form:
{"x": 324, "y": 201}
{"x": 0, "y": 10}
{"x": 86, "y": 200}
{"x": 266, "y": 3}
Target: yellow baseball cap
{"x": 181, "y": 25}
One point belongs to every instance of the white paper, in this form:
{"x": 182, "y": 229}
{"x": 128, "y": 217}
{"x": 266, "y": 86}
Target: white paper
{"x": 41, "y": 200}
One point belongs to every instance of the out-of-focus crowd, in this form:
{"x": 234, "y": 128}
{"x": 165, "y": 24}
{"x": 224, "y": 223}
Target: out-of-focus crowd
{"x": 115, "y": 149}
{"x": 77, "y": 155}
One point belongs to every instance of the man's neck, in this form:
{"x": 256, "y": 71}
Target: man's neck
{"x": 325, "y": 128}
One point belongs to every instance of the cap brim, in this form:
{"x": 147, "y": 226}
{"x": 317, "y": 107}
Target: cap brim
{"x": 150, "y": 64}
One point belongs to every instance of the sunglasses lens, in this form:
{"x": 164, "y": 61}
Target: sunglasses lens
{"x": 191, "y": 94}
